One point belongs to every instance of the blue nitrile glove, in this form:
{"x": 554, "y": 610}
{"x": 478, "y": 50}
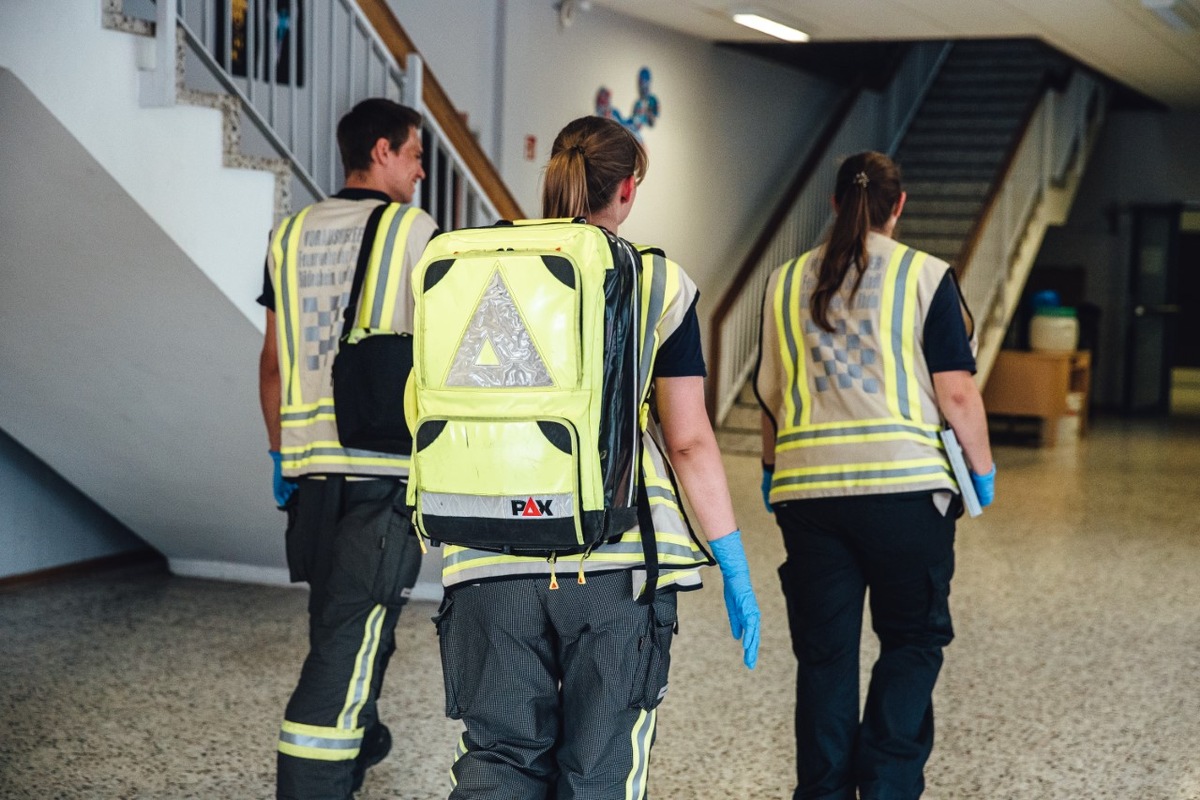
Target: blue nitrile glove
{"x": 283, "y": 486}
{"x": 739, "y": 594}
{"x": 768, "y": 474}
{"x": 985, "y": 486}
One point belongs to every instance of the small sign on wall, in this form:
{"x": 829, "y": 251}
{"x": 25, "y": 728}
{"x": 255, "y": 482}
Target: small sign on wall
{"x": 530, "y": 147}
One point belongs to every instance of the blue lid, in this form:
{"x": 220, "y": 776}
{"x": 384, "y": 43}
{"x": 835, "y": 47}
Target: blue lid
{"x": 1044, "y": 298}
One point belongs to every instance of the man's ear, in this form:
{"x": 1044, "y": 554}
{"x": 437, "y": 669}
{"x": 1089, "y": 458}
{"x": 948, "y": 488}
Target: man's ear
{"x": 381, "y": 151}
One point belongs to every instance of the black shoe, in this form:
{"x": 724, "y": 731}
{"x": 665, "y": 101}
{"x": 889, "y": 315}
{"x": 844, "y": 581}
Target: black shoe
{"x": 377, "y": 743}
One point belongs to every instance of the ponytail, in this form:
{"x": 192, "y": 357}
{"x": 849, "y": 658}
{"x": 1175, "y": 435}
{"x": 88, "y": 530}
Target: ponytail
{"x": 589, "y": 159}
{"x": 866, "y": 191}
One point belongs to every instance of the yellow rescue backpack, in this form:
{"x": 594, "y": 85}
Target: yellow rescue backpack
{"x": 526, "y": 388}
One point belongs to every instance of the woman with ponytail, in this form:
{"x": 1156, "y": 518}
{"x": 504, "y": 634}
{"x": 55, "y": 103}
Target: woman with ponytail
{"x": 865, "y": 355}
{"x": 558, "y": 682}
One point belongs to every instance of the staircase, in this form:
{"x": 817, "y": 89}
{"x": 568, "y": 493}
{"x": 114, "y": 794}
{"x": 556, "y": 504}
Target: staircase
{"x": 960, "y": 139}
{"x": 992, "y": 157}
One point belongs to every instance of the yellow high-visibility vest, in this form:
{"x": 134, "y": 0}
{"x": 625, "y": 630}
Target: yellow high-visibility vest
{"x": 854, "y": 408}
{"x": 312, "y": 260}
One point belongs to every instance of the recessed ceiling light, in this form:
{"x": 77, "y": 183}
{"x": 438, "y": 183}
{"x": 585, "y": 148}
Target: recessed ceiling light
{"x": 771, "y": 27}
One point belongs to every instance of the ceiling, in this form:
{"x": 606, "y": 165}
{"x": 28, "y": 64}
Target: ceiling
{"x": 1117, "y": 37}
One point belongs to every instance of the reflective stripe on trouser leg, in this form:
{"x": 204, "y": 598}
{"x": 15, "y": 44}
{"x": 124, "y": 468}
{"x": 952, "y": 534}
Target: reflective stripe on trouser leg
{"x": 315, "y": 742}
{"x": 640, "y": 741}
{"x": 340, "y": 741}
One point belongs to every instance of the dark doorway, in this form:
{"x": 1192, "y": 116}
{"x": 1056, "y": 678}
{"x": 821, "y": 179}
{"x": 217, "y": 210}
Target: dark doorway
{"x": 1185, "y": 367}
{"x": 1153, "y": 309}
{"x": 1187, "y": 328}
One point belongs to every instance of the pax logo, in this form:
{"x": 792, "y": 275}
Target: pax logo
{"x": 532, "y": 508}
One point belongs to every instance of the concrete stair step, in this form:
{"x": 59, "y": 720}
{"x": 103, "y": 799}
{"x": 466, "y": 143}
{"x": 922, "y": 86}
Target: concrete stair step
{"x": 929, "y": 205}
{"x": 943, "y": 247}
{"x": 967, "y": 190}
{"x": 913, "y": 156}
{"x": 917, "y": 225}
{"x": 963, "y": 124}
{"x": 951, "y": 172}
{"x": 748, "y": 443}
{"x": 743, "y": 416}
{"x": 1001, "y": 109}
{"x": 930, "y": 139}
{"x": 746, "y": 396}
{"x": 991, "y": 91}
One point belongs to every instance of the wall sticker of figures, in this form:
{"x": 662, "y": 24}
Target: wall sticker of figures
{"x": 645, "y": 108}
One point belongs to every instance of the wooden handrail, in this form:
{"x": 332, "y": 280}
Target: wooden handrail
{"x": 816, "y": 156}
{"x": 967, "y": 252}
{"x": 438, "y": 102}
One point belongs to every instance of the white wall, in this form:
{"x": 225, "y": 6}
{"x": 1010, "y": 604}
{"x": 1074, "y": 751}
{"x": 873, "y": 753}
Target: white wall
{"x": 1142, "y": 157}
{"x": 732, "y": 132}
{"x": 129, "y": 263}
{"x": 458, "y": 40}
{"x": 45, "y": 522}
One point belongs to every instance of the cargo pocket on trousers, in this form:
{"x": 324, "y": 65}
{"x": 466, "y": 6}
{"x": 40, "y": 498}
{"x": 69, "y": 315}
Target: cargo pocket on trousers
{"x": 399, "y": 560}
{"x": 654, "y": 654}
{"x": 940, "y": 576}
{"x": 295, "y": 544}
{"x": 450, "y": 667}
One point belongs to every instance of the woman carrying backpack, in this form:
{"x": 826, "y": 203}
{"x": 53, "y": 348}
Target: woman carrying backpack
{"x": 864, "y": 352}
{"x": 558, "y": 682}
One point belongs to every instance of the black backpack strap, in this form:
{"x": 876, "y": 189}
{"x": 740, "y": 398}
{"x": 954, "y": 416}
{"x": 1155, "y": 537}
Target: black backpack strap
{"x": 649, "y": 540}
{"x": 360, "y": 269}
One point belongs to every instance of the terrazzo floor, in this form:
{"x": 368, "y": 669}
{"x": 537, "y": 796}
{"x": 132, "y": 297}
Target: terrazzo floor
{"x": 1075, "y": 674}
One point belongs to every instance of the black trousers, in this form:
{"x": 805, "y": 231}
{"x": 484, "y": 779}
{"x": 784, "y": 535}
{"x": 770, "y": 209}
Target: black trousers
{"x": 558, "y": 689}
{"x": 352, "y": 542}
{"x": 901, "y": 548}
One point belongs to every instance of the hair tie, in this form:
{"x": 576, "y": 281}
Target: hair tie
{"x": 862, "y": 180}
{"x": 579, "y": 149}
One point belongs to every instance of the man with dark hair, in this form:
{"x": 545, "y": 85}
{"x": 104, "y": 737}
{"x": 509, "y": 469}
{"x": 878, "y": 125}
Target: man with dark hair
{"x": 343, "y": 504}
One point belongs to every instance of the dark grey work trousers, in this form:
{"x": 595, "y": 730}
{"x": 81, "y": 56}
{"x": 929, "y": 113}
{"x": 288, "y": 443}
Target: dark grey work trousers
{"x": 558, "y": 689}
{"x": 901, "y": 548}
{"x": 352, "y": 542}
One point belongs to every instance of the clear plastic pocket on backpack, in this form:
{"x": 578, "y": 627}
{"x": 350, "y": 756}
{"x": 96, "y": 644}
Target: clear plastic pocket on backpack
{"x": 507, "y": 485}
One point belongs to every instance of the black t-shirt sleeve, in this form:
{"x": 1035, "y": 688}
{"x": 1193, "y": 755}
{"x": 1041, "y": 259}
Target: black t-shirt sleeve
{"x": 682, "y": 355}
{"x": 267, "y": 298}
{"x": 947, "y": 346}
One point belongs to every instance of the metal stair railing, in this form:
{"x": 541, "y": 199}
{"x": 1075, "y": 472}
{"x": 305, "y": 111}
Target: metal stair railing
{"x": 293, "y": 67}
{"x": 1047, "y": 158}
{"x": 864, "y": 121}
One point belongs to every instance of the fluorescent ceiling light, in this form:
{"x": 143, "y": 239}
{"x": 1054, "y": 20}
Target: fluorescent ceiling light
{"x": 770, "y": 27}
{"x": 1180, "y": 15}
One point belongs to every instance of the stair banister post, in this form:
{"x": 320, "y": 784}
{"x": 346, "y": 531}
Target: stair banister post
{"x": 414, "y": 69}
{"x": 411, "y": 94}
{"x": 157, "y": 59}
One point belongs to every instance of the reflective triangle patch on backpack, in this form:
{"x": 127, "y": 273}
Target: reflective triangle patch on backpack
{"x": 496, "y": 349}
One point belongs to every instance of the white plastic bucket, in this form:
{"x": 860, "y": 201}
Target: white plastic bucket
{"x": 1054, "y": 329}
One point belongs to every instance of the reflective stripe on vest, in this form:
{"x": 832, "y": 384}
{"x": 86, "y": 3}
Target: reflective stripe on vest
{"x": 832, "y": 448}
{"x": 312, "y": 421}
